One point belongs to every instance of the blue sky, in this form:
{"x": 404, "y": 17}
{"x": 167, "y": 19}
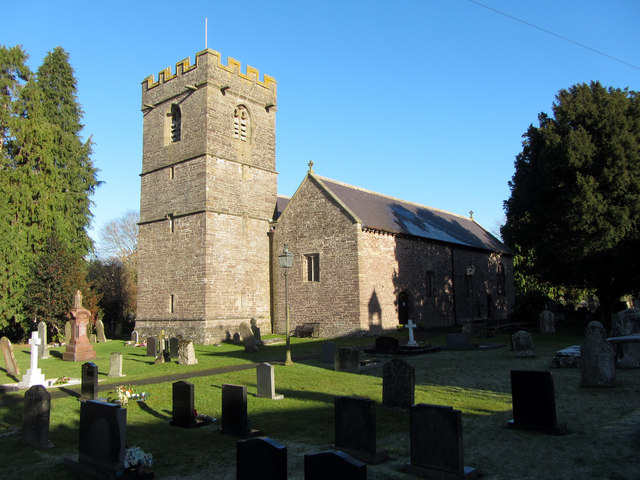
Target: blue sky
{"x": 424, "y": 100}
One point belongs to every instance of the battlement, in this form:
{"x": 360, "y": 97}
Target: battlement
{"x": 233, "y": 66}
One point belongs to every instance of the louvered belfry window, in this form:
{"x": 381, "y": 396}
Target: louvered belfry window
{"x": 241, "y": 123}
{"x": 176, "y": 123}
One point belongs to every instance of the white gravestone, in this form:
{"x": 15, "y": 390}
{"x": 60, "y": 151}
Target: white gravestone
{"x": 34, "y": 375}
{"x": 411, "y": 342}
{"x": 266, "y": 382}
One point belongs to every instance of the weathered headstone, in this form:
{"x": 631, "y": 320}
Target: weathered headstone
{"x": 534, "y": 402}
{"x": 183, "y": 405}
{"x": 93, "y": 338}
{"x": 135, "y": 338}
{"x": 234, "y": 412}
{"x": 89, "y": 382}
{"x": 152, "y": 347}
{"x": 547, "y": 321}
{"x": 248, "y": 339}
{"x": 627, "y": 348}
{"x": 328, "y": 352}
{"x": 333, "y": 464}
{"x": 347, "y": 359}
{"x": 567, "y": 357}
{"x": 79, "y": 348}
{"x": 255, "y": 329}
{"x": 43, "y": 350}
{"x": 237, "y": 339}
{"x": 34, "y": 375}
{"x": 266, "y": 382}
{"x": 35, "y": 423}
{"x": 9, "y": 357}
{"x": 523, "y": 344}
{"x": 386, "y": 346}
{"x": 173, "y": 347}
{"x": 355, "y": 429}
{"x": 67, "y": 332}
{"x": 186, "y": 353}
{"x": 261, "y": 458}
{"x": 101, "y": 337}
{"x": 436, "y": 443}
{"x": 597, "y": 358}
{"x": 626, "y": 322}
{"x": 398, "y": 384}
{"x": 115, "y": 367}
{"x": 412, "y": 342}
{"x": 459, "y": 341}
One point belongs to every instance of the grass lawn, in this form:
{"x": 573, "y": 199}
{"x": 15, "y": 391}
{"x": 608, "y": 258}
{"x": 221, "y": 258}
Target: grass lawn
{"x": 602, "y": 442}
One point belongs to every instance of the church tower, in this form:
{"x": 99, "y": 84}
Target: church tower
{"x": 208, "y": 193}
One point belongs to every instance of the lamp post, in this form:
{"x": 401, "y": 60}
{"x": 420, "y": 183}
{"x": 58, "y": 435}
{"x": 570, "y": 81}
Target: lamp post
{"x": 286, "y": 262}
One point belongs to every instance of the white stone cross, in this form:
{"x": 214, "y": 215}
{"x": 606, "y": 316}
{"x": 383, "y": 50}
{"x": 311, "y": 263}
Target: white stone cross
{"x": 33, "y": 376}
{"x": 34, "y": 341}
{"x": 411, "y": 326}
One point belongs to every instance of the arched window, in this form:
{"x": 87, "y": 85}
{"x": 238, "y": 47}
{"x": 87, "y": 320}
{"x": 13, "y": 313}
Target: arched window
{"x": 176, "y": 123}
{"x": 241, "y": 123}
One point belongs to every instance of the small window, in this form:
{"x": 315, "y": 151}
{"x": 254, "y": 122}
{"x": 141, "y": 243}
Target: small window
{"x": 241, "y": 123}
{"x": 313, "y": 267}
{"x": 171, "y": 223}
{"x": 429, "y": 284}
{"x": 172, "y": 173}
{"x": 171, "y": 303}
{"x": 176, "y": 123}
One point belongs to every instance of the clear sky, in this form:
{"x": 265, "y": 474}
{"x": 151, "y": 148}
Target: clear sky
{"x": 423, "y": 100}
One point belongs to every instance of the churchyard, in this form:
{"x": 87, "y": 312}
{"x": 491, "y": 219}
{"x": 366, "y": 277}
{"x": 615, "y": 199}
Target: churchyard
{"x": 603, "y": 424}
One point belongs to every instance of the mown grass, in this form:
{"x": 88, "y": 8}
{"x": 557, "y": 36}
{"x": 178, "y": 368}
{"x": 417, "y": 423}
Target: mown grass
{"x": 602, "y": 442}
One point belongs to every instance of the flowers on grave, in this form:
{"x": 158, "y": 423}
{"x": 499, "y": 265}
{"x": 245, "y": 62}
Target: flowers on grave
{"x": 135, "y": 457}
{"x": 62, "y": 381}
{"x": 124, "y": 393}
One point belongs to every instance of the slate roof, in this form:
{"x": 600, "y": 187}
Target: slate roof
{"x": 380, "y": 212}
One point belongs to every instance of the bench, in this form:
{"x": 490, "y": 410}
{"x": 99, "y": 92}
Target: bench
{"x": 307, "y": 330}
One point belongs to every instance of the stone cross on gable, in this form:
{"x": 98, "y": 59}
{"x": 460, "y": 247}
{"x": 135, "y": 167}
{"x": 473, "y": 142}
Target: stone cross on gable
{"x": 411, "y": 326}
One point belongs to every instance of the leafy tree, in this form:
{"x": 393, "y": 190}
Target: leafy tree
{"x": 575, "y": 194}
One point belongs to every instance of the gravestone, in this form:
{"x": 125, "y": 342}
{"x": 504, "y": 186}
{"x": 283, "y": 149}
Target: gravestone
{"x": 597, "y": 358}
{"x": 255, "y": 329}
{"x": 43, "y": 351}
{"x": 67, "y": 332}
{"x": 534, "y": 402}
{"x": 410, "y": 325}
{"x": 115, "y": 367}
{"x": 89, "y": 382}
{"x": 386, "y": 346}
{"x": 333, "y": 464}
{"x": 34, "y": 375}
{"x": 347, "y": 359}
{"x": 183, "y": 405}
{"x": 35, "y": 422}
{"x": 261, "y": 458}
{"x": 436, "y": 443}
{"x": 79, "y": 348}
{"x": 93, "y": 338}
{"x": 547, "y": 321}
{"x": 266, "y": 382}
{"x": 152, "y": 347}
{"x": 459, "y": 341}
{"x": 627, "y": 348}
{"x": 234, "y": 412}
{"x": 626, "y": 322}
{"x": 567, "y": 357}
{"x": 248, "y": 339}
{"x": 186, "y": 353}
{"x": 237, "y": 339}
{"x": 523, "y": 344}
{"x": 135, "y": 338}
{"x": 328, "y": 352}
{"x": 173, "y": 347}
{"x": 355, "y": 429}
{"x": 9, "y": 357}
{"x": 398, "y": 384}
{"x": 101, "y": 337}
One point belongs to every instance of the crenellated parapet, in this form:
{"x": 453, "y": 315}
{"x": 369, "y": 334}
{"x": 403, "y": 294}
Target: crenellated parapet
{"x": 233, "y": 66}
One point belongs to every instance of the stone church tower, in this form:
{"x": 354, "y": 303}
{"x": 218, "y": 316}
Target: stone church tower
{"x": 208, "y": 193}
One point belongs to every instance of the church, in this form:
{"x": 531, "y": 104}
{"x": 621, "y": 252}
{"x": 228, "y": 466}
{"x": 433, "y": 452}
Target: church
{"x": 213, "y": 228}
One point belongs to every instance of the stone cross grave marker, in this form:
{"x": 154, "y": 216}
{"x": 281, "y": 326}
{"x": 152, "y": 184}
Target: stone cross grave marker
{"x": 115, "y": 367}
{"x": 43, "y": 351}
{"x": 398, "y": 384}
{"x": 101, "y": 337}
{"x": 261, "y": 457}
{"x": 410, "y": 325}
{"x": 9, "y": 357}
{"x": 547, "y": 321}
{"x": 89, "y": 382}
{"x": 266, "y": 382}
{"x": 234, "y": 412}
{"x": 186, "y": 353}
{"x": 135, "y": 338}
{"x": 347, "y": 359}
{"x": 34, "y": 375}
{"x": 152, "y": 347}
{"x": 328, "y": 352}
{"x": 523, "y": 344}
{"x": 436, "y": 443}
{"x": 333, "y": 464}
{"x": 173, "y": 347}
{"x": 534, "y": 402}
{"x": 597, "y": 358}
{"x": 37, "y": 412}
{"x": 248, "y": 339}
{"x": 355, "y": 429}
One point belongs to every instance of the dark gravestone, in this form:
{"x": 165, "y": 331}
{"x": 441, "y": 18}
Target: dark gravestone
{"x": 328, "y": 352}
{"x": 183, "y": 405}
{"x": 152, "y": 347}
{"x": 459, "y": 341}
{"x": 436, "y": 443}
{"x": 261, "y": 458}
{"x": 355, "y": 429}
{"x": 534, "y": 402}
{"x": 89, "y": 388}
{"x": 598, "y": 365}
{"x": 102, "y": 437}
{"x": 333, "y": 464}
{"x": 386, "y": 345}
{"x": 398, "y": 384}
{"x": 347, "y": 360}
{"x": 35, "y": 422}
{"x": 173, "y": 347}
{"x": 522, "y": 344}
{"x": 234, "y": 412}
